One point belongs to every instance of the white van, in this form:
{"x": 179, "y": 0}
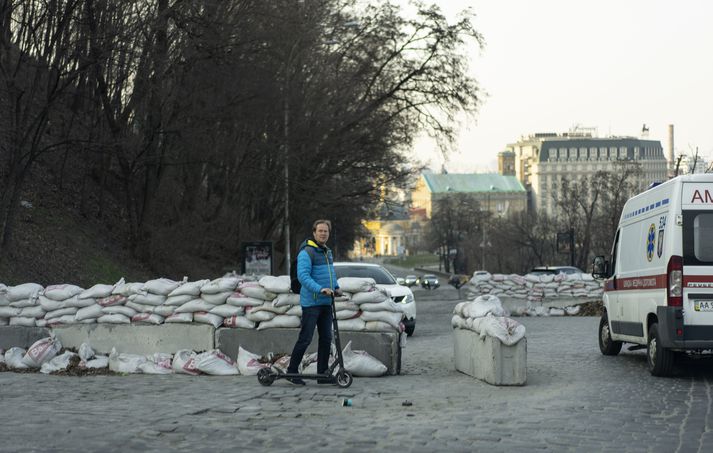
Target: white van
{"x": 658, "y": 292}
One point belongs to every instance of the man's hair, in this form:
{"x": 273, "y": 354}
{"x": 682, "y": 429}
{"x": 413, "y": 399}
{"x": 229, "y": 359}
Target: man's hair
{"x": 324, "y": 221}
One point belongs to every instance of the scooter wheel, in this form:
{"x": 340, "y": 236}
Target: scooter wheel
{"x": 265, "y": 376}
{"x": 344, "y": 379}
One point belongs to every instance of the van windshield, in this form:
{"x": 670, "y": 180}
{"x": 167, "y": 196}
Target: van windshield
{"x": 697, "y": 240}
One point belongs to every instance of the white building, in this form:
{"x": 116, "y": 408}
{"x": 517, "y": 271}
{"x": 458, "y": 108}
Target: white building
{"x": 543, "y": 160}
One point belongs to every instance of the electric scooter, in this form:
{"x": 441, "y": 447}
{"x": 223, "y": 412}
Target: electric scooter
{"x": 343, "y": 378}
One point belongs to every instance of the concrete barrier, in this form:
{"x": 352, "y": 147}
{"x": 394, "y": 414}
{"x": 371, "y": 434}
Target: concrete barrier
{"x": 21, "y": 337}
{"x": 138, "y": 339}
{"x": 489, "y": 360}
{"x": 382, "y": 345}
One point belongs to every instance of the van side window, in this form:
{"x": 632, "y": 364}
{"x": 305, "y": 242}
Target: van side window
{"x": 697, "y": 234}
{"x": 702, "y": 234}
{"x": 615, "y": 249}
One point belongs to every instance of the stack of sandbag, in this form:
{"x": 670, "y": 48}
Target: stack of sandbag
{"x": 486, "y": 316}
{"x": 114, "y": 309}
{"x": 61, "y": 303}
{"x": 368, "y": 307}
{"x": 89, "y": 309}
{"x": 22, "y": 307}
{"x": 181, "y": 295}
{"x": 212, "y": 294}
{"x": 281, "y": 307}
{"x": 534, "y": 288}
{"x": 211, "y": 362}
{"x": 153, "y": 295}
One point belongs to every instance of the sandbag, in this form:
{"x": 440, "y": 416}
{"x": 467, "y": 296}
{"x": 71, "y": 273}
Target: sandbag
{"x": 507, "y": 330}
{"x": 277, "y": 285}
{"x": 194, "y": 306}
{"x": 391, "y": 318}
{"x": 22, "y": 303}
{"x": 189, "y": 289}
{"x": 116, "y": 299}
{"x": 295, "y": 310}
{"x": 226, "y": 310}
{"x": 119, "y": 309}
{"x": 86, "y": 352}
{"x": 32, "y": 312}
{"x": 99, "y": 291}
{"x": 179, "y": 300}
{"x": 238, "y": 321}
{"x": 217, "y": 298}
{"x": 24, "y": 322}
{"x": 374, "y": 296}
{"x": 61, "y": 312}
{"x": 269, "y": 306}
{"x": 280, "y": 321}
{"x": 14, "y": 358}
{"x": 179, "y": 318}
{"x": 62, "y": 320}
{"x": 51, "y": 305}
{"x": 127, "y": 289}
{"x": 92, "y": 311}
{"x": 79, "y": 303}
{"x": 220, "y": 285}
{"x": 260, "y": 316}
{"x": 248, "y": 363}
{"x": 380, "y": 326}
{"x": 148, "y": 299}
{"x": 215, "y": 363}
{"x": 125, "y": 363}
{"x": 184, "y": 362}
{"x": 386, "y": 305}
{"x": 253, "y": 289}
{"x": 208, "y": 318}
{"x": 100, "y": 361}
{"x": 356, "y": 284}
{"x": 360, "y": 363}
{"x": 42, "y": 351}
{"x": 115, "y": 318}
{"x": 147, "y": 318}
{"x": 60, "y": 362}
{"x": 61, "y": 292}
{"x": 164, "y": 310}
{"x": 241, "y": 300}
{"x": 139, "y": 308}
{"x": 157, "y": 363}
{"x": 347, "y": 314}
{"x": 286, "y": 299}
{"x": 24, "y": 291}
{"x": 9, "y": 312}
{"x": 354, "y": 324}
{"x": 161, "y": 286}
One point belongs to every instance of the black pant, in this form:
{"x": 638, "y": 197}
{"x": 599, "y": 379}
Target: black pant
{"x": 319, "y": 316}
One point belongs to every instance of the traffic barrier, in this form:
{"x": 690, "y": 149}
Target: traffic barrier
{"x": 488, "y": 359}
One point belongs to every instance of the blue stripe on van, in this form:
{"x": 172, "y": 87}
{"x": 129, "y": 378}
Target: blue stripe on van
{"x": 647, "y": 208}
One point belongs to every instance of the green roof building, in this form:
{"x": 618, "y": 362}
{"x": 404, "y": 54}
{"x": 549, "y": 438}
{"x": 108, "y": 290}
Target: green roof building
{"x": 500, "y": 194}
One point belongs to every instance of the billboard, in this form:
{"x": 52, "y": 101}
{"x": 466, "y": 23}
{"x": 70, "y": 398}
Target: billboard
{"x": 257, "y": 257}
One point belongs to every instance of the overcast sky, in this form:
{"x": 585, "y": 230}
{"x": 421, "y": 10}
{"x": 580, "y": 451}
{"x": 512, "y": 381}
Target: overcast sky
{"x": 549, "y": 65}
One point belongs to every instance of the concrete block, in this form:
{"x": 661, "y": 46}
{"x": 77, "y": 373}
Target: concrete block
{"x": 138, "y": 339}
{"x": 382, "y": 345}
{"x": 489, "y": 360}
{"x": 21, "y": 337}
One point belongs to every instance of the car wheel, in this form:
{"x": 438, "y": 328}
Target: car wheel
{"x": 409, "y": 329}
{"x": 659, "y": 359}
{"x": 606, "y": 345}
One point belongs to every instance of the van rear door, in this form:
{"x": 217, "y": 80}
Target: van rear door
{"x": 697, "y": 213}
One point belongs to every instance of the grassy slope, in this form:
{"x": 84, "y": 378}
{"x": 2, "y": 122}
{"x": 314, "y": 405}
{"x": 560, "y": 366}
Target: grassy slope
{"x": 53, "y": 244}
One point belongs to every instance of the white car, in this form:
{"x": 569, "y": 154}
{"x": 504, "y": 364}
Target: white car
{"x": 383, "y": 278}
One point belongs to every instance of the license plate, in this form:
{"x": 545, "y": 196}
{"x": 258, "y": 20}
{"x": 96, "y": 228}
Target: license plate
{"x": 703, "y": 305}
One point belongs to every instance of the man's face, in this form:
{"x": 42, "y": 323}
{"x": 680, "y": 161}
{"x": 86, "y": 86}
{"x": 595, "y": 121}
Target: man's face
{"x": 321, "y": 234}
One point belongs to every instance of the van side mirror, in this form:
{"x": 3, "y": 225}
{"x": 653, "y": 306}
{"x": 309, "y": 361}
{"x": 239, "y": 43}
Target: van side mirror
{"x": 600, "y": 268}
{"x": 400, "y": 281}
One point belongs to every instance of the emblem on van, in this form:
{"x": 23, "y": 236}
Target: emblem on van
{"x": 650, "y": 242}
{"x": 662, "y": 227}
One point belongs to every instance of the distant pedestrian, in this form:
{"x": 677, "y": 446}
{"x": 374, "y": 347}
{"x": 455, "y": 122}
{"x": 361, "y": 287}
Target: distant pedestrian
{"x": 315, "y": 271}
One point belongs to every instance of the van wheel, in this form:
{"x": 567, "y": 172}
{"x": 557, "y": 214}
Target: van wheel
{"x": 606, "y": 344}
{"x": 659, "y": 359}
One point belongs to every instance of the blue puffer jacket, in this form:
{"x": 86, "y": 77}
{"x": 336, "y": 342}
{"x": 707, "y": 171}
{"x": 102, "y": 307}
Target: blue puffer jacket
{"x": 315, "y": 271}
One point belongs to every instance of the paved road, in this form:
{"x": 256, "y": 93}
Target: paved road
{"x": 575, "y": 400}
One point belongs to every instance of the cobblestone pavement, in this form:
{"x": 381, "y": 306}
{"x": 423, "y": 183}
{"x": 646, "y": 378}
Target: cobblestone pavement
{"x": 575, "y": 400}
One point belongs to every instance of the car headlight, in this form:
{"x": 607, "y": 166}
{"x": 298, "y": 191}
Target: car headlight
{"x": 435, "y": 282}
{"x": 408, "y": 299}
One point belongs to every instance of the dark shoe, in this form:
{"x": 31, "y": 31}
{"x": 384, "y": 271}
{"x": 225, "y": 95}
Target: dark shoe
{"x": 296, "y": 381}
